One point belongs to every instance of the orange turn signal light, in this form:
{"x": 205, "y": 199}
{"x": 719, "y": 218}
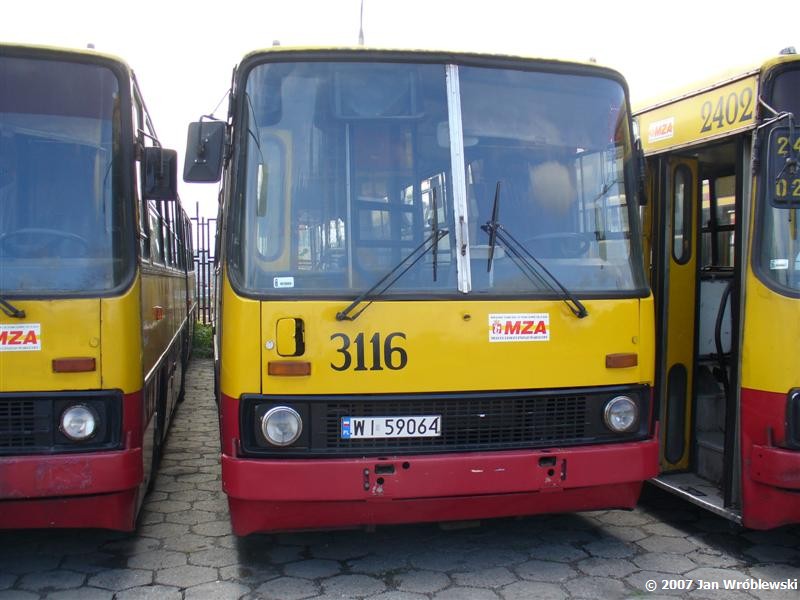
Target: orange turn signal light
{"x": 622, "y": 360}
{"x": 74, "y": 365}
{"x": 289, "y": 368}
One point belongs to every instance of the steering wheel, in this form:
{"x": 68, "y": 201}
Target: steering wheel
{"x": 15, "y": 244}
{"x": 559, "y": 244}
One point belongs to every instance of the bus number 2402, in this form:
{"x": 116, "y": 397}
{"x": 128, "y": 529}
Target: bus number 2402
{"x": 386, "y": 353}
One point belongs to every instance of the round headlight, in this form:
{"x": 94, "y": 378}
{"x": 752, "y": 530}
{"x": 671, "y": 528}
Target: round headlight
{"x": 79, "y": 422}
{"x": 621, "y": 414}
{"x": 281, "y": 426}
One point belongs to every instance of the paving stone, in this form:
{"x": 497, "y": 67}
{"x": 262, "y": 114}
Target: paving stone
{"x": 287, "y": 588}
{"x": 493, "y": 578}
{"x": 378, "y": 565}
{"x": 188, "y": 542}
{"x": 185, "y": 576}
{"x": 216, "y": 528}
{"x": 672, "y": 545}
{"x": 150, "y": 592}
{"x": 624, "y": 533}
{"x": 423, "y": 582}
{"x": 217, "y": 590}
{"x": 252, "y": 575}
{"x": 121, "y": 579}
{"x": 557, "y": 552}
{"x": 314, "y": 568}
{"x": 214, "y": 557}
{"x": 597, "y": 587}
{"x": 398, "y": 595}
{"x": 607, "y": 567}
{"x": 610, "y": 549}
{"x": 667, "y": 563}
{"x": 157, "y": 559}
{"x": 29, "y": 563}
{"x": 526, "y": 590}
{"x": 56, "y": 579}
{"x": 18, "y": 595}
{"x": 353, "y": 585}
{"x": 465, "y": 593}
{"x": 544, "y": 570}
{"x": 83, "y": 593}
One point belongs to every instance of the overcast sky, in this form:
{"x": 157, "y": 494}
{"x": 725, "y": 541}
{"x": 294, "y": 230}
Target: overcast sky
{"x": 183, "y": 52}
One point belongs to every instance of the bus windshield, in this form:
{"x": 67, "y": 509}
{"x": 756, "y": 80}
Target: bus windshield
{"x": 350, "y": 167}
{"x": 778, "y": 242}
{"x": 60, "y": 200}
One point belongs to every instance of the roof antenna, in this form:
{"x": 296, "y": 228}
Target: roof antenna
{"x": 361, "y": 26}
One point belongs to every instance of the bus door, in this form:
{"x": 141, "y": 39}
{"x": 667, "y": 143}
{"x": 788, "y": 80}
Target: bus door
{"x": 675, "y": 283}
{"x": 696, "y": 248}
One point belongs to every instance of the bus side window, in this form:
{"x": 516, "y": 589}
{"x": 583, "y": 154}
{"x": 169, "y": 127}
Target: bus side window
{"x": 719, "y": 221}
{"x": 144, "y": 222}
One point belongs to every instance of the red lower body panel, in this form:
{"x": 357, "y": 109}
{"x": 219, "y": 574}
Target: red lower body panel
{"x": 277, "y": 495}
{"x": 79, "y": 490}
{"x": 770, "y": 474}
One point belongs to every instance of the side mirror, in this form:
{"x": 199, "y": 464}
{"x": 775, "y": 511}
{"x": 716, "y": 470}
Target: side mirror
{"x": 160, "y": 174}
{"x": 205, "y": 147}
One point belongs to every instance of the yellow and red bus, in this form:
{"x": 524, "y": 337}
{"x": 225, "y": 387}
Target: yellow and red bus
{"x": 96, "y": 290}
{"x": 721, "y": 236}
{"x": 431, "y": 303}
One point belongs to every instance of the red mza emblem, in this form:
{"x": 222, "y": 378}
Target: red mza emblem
{"x": 23, "y": 337}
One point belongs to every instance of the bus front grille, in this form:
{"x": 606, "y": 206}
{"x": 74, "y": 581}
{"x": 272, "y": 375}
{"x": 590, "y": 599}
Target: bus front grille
{"x": 469, "y": 421}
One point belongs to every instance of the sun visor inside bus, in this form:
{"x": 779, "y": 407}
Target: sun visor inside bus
{"x": 205, "y": 145}
{"x": 380, "y": 92}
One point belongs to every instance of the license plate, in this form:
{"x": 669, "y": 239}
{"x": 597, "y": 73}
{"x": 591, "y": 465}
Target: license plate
{"x": 391, "y": 427}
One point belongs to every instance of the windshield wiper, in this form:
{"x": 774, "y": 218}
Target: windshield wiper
{"x": 388, "y": 280}
{"x": 530, "y": 266}
{"x": 492, "y": 225}
{"x": 435, "y": 230}
{"x": 10, "y": 309}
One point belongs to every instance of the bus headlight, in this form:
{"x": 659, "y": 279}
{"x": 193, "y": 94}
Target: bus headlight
{"x": 621, "y": 414}
{"x": 281, "y": 426}
{"x": 79, "y": 422}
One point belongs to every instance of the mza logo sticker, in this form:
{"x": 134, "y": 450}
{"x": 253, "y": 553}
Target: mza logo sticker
{"x": 523, "y": 327}
{"x": 24, "y": 337}
{"x": 661, "y": 130}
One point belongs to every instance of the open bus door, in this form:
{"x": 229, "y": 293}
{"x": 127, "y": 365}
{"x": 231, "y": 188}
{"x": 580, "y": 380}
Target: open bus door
{"x": 674, "y": 279}
{"x": 693, "y": 287}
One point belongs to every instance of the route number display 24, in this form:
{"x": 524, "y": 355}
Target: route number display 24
{"x": 783, "y": 174}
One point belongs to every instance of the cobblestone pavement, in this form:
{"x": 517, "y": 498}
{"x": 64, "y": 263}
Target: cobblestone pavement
{"x": 184, "y": 548}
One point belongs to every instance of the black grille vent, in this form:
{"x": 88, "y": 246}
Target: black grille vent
{"x": 20, "y": 426}
{"x": 470, "y": 421}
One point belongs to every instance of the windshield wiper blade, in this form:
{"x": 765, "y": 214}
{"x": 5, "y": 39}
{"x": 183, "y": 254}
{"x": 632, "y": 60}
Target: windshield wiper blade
{"x": 10, "y": 309}
{"x": 393, "y": 275}
{"x": 492, "y": 226}
{"x": 435, "y": 229}
{"x": 533, "y": 269}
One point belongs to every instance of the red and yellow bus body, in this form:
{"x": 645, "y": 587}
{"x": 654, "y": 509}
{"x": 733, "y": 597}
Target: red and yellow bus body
{"x": 724, "y": 267}
{"x": 91, "y": 327}
{"x": 380, "y": 357}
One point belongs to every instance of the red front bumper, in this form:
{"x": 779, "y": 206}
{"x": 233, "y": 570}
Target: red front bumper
{"x": 270, "y": 495}
{"x": 770, "y": 473}
{"x": 98, "y": 489}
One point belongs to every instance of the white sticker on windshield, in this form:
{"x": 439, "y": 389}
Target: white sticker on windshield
{"x": 779, "y": 264}
{"x": 519, "y": 327}
{"x": 283, "y": 282}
